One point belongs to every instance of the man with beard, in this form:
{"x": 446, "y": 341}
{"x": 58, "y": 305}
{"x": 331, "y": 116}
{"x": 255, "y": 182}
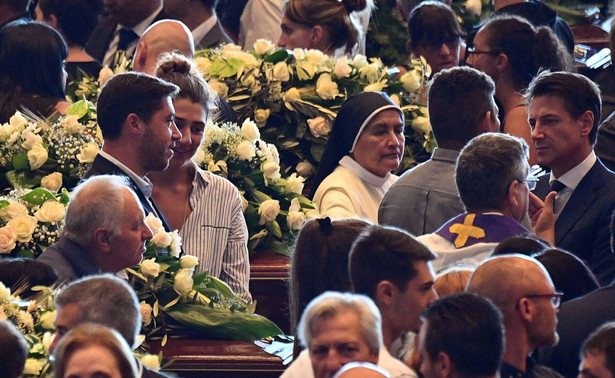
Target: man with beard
{"x": 137, "y": 120}
{"x": 523, "y": 291}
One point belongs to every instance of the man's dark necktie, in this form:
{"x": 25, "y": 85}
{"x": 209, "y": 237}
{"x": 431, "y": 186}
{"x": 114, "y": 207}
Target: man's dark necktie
{"x": 127, "y": 36}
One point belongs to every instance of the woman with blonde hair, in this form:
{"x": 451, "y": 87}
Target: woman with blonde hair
{"x": 93, "y": 350}
{"x": 335, "y": 27}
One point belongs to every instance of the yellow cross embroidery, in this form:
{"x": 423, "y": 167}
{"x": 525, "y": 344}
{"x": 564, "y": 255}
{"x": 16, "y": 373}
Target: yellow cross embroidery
{"x": 466, "y": 230}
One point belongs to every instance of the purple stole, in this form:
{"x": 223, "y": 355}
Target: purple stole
{"x": 468, "y": 229}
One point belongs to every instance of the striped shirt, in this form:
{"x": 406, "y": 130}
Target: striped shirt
{"x": 216, "y": 231}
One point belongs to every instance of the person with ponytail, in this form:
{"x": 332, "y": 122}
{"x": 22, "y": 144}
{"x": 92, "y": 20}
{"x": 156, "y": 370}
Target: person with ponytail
{"x": 512, "y": 51}
{"x": 331, "y": 26}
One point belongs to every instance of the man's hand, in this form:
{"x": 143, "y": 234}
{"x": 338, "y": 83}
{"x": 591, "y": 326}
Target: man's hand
{"x": 543, "y": 219}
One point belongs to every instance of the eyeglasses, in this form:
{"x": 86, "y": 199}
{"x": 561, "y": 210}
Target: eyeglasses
{"x": 472, "y": 50}
{"x": 555, "y": 298}
{"x": 531, "y": 182}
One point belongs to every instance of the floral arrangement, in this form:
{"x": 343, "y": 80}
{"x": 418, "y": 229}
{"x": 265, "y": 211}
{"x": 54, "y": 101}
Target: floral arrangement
{"x": 472, "y": 12}
{"x": 294, "y": 96}
{"x": 87, "y": 87}
{"x": 274, "y": 207}
{"x": 49, "y": 153}
{"x": 174, "y": 298}
{"x": 30, "y": 221}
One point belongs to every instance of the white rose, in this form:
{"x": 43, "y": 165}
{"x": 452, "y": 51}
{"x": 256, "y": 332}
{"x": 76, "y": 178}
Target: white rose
{"x": 33, "y": 366}
{"x": 375, "y": 87}
{"x": 146, "y": 313}
{"x": 150, "y": 268}
{"x": 48, "y": 338}
{"x": 220, "y": 88}
{"x": 305, "y": 169}
{"x": 474, "y": 7}
{"x": 326, "y": 87}
{"x": 299, "y": 53}
{"x": 17, "y": 121}
{"x": 294, "y": 184}
{"x": 24, "y": 225}
{"x": 295, "y": 218}
{"x": 8, "y": 238}
{"x": 47, "y": 319}
{"x": 263, "y": 46}
{"x": 105, "y": 74}
{"x": 162, "y": 239}
{"x": 271, "y": 171}
{"x": 14, "y": 209}
{"x": 319, "y": 127}
{"x": 269, "y": 210}
{"x": 370, "y": 72}
{"x": 50, "y": 211}
{"x": 188, "y": 261}
{"x": 176, "y": 243}
{"x": 30, "y": 139}
{"x": 88, "y": 153}
{"x": 248, "y": 59}
{"x": 203, "y": 64}
{"x": 154, "y": 223}
{"x": 230, "y": 50}
{"x": 292, "y": 95}
{"x": 71, "y": 124}
{"x": 359, "y": 60}
{"x": 280, "y": 72}
{"x": 315, "y": 56}
{"x": 183, "y": 282}
{"x": 421, "y": 124}
{"x": 151, "y": 361}
{"x": 342, "y": 68}
{"x": 5, "y": 292}
{"x": 249, "y": 130}
{"x": 37, "y": 156}
{"x": 260, "y": 117}
{"x": 52, "y": 181}
{"x": 305, "y": 70}
{"x": 246, "y": 150}
{"x": 411, "y": 80}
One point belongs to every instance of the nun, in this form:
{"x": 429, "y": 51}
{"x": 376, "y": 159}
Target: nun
{"x": 366, "y": 143}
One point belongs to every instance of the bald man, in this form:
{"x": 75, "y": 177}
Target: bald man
{"x": 163, "y": 36}
{"x": 522, "y": 289}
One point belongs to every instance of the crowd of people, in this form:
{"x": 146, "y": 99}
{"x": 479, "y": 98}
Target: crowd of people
{"x": 467, "y": 265}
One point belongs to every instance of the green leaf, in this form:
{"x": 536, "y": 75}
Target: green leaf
{"x": 79, "y": 108}
{"x": 39, "y": 196}
{"x": 20, "y": 162}
{"x": 225, "y": 67}
{"x": 277, "y": 56}
{"x": 222, "y": 287}
{"x": 223, "y": 324}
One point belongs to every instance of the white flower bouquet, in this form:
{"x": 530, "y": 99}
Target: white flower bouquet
{"x": 274, "y": 207}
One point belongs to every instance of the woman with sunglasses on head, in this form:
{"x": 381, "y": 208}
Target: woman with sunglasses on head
{"x": 512, "y": 52}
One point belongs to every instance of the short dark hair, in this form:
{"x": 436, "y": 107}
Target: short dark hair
{"x": 579, "y": 94}
{"x": 76, "y": 18}
{"x": 485, "y": 168}
{"x": 458, "y": 100}
{"x": 130, "y": 92}
{"x": 432, "y": 22}
{"x": 602, "y": 340}
{"x": 385, "y": 253}
{"x": 13, "y": 350}
{"x": 468, "y": 328}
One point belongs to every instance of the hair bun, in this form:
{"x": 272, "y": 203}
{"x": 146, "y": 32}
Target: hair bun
{"x": 170, "y": 63}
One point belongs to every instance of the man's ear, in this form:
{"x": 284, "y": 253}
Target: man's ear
{"x": 134, "y": 124}
{"x": 139, "y": 60}
{"x": 587, "y": 122}
{"x": 526, "y": 309}
{"x": 102, "y": 239}
{"x": 443, "y": 365}
{"x": 53, "y": 21}
{"x": 385, "y": 293}
{"x": 487, "y": 124}
{"x": 502, "y": 62}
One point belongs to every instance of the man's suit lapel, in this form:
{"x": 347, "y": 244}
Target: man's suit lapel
{"x": 580, "y": 200}
{"x": 101, "y": 38}
{"x": 213, "y": 38}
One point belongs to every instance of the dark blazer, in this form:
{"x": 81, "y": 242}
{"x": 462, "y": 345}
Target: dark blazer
{"x": 70, "y": 261}
{"x": 576, "y": 320}
{"x": 583, "y": 226}
{"x": 103, "y": 35}
{"x": 214, "y": 38}
{"x": 102, "y": 166}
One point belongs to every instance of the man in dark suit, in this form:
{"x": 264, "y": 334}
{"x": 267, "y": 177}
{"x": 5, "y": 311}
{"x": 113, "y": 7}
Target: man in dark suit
{"x": 564, "y": 110}
{"x": 200, "y": 17}
{"x": 137, "y": 120}
{"x": 122, "y": 27}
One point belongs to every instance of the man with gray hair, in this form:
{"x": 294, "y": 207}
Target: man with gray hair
{"x": 104, "y": 230}
{"x": 494, "y": 186}
{"x": 105, "y": 300}
{"x": 338, "y": 328}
